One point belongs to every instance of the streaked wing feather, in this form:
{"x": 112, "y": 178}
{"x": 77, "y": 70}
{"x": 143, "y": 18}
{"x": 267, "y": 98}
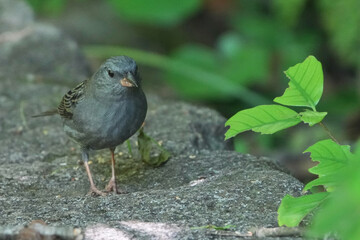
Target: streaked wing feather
{"x": 70, "y": 99}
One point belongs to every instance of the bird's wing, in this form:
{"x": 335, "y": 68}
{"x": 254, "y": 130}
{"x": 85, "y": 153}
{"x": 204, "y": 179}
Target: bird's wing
{"x": 70, "y": 99}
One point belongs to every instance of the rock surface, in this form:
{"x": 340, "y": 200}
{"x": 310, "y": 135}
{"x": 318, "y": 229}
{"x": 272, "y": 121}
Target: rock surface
{"x": 34, "y": 51}
{"x": 204, "y": 183}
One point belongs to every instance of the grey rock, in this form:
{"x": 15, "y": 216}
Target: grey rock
{"x": 87, "y": 27}
{"x": 34, "y": 51}
{"x": 14, "y": 15}
{"x": 215, "y": 187}
{"x": 193, "y": 128}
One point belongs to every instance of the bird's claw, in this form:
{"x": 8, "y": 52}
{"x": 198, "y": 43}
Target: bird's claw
{"x": 111, "y": 187}
{"x": 96, "y": 192}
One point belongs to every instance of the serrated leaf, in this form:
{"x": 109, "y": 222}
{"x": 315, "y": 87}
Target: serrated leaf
{"x": 292, "y": 210}
{"x": 305, "y": 86}
{"x": 331, "y": 157}
{"x": 340, "y": 213}
{"x": 324, "y": 180}
{"x": 266, "y": 119}
{"x": 311, "y": 117}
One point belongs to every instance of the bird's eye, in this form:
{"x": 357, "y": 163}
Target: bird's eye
{"x": 111, "y": 73}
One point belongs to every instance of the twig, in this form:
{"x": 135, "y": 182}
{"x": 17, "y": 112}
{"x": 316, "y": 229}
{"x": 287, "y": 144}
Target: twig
{"x": 263, "y": 232}
{"x": 231, "y": 234}
{"x": 279, "y": 232}
{"x": 328, "y": 132}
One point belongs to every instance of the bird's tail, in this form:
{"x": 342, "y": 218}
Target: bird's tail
{"x": 47, "y": 113}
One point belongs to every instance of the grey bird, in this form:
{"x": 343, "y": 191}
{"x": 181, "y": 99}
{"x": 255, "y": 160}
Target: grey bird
{"x": 104, "y": 111}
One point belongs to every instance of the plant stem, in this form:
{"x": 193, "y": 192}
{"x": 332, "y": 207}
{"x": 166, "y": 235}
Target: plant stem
{"x": 22, "y": 115}
{"x": 328, "y": 132}
{"x": 129, "y": 148}
{"x": 262, "y": 232}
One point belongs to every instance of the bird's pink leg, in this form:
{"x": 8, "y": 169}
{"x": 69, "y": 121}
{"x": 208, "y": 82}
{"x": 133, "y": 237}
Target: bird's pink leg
{"x": 112, "y": 183}
{"x": 93, "y": 188}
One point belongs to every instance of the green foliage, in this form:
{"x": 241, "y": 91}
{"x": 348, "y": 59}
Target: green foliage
{"x": 305, "y": 86}
{"x": 254, "y": 68}
{"x": 204, "y": 59}
{"x": 266, "y": 119}
{"x": 146, "y": 147}
{"x": 240, "y": 145}
{"x": 273, "y": 36}
{"x": 305, "y": 89}
{"x": 288, "y": 11}
{"x": 331, "y": 157}
{"x": 48, "y": 7}
{"x": 157, "y": 12}
{"x": 311, "y": 117}
{"x": 337, "y": 170}
{"x": 341, "y": 20}
{"x": 340, "y": 213}
{"x": 293, "y": 210}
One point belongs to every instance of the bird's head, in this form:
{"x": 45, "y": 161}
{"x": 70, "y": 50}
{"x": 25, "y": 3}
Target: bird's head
{"x": 117, "y": 75}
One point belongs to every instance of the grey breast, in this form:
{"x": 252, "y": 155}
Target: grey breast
{"x": 104, "y": 124}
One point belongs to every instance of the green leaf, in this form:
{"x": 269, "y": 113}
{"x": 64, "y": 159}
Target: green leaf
{"x": 266, "y": 119}
{"x": 293, "y": 210}
{"x": 331, "y": 157}
{"x": 241, "y": 145}
{"x": 329, "y": 181}
{"x": 145, "y": 145}
{"x": 340, "y": 213}
{"x": 157, "y": 12}
{"x": 312, "y": 117}
{"x": 357, "y": 149}
{"x": 305, "y": 86}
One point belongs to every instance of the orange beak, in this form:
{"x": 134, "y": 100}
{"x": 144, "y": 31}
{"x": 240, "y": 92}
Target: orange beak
{"x": 128, "y": 81}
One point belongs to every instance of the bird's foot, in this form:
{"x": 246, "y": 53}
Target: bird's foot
{"x": 96, "y": 192}
{"x": 111, "y": 187}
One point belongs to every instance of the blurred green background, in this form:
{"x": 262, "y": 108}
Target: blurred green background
{"x": 229, "y": 55}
